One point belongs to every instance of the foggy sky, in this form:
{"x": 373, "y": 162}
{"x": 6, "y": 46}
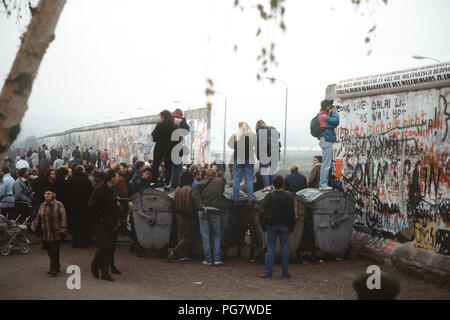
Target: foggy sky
{"x": 110, "y": 58}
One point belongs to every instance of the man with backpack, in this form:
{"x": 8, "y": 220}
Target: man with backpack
{"x": 264, "y": 135}
{"x": 278, "y": 220}
{"x": 328, "y": 120}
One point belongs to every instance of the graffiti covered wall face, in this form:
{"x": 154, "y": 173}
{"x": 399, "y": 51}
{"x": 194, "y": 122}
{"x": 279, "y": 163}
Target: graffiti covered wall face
{"x": 198, "y": 140}
{"x": 393, "y": 158}
{"x": 125, "y": 142}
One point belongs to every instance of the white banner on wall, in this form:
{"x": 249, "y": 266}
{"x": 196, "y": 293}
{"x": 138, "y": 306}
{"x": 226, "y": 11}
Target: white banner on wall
{"x": 426, "y": 77}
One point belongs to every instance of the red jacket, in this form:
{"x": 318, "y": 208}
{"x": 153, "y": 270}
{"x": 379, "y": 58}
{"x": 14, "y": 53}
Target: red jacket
{"x": 322, "y": 118}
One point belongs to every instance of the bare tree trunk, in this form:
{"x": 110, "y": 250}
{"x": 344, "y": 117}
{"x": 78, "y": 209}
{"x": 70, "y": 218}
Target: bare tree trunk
{"x": 17, "y": 88}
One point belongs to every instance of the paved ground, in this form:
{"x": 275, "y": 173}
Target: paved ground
{"x": 25, "y": 277}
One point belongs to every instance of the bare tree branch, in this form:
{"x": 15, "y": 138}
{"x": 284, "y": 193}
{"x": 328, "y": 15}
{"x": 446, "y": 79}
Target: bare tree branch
{"x": 17, "y": 87}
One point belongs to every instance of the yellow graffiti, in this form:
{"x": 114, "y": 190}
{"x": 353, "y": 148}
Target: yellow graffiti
{"x": 425, "y": 235}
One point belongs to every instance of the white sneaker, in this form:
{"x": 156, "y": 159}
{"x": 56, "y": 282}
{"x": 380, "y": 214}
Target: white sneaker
{"x": 183, "y": 259}
{"x": 206, "y": 263}
{"x": 325, "y": 188}
{"x": 218, "y": 263}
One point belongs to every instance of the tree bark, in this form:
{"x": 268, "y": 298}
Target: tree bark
{"x": 17, "y": 87}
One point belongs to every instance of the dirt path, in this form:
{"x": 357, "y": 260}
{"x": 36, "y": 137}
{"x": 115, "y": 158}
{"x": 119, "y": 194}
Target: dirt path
{"x": 25, "y": 277}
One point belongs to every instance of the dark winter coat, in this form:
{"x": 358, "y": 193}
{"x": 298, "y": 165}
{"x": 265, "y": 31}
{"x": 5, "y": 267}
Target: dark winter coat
{"x": 76, "y": 154}
{"x": 63, "y": 194}
{"x": 139, "y": 184}
{"x": 103, "y": 207}
{"x": 53, "y": 155}
{"x": 162, "y": 137}
{"x": 136, "y": 175}
{"x": 279, "y": 205}
{"x": 80, "y": 189}
{"x": 86, "y": 156}
{"x": 270, "y": 149}
{"x": 181, "y": 124}
{"x": 208, "y": 193}
{"x": 92, "y": 158}
{"x": 295, "y": 182}
{"x": 44, "y": 164}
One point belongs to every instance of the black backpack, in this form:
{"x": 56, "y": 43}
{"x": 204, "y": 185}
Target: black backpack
{"x": 316, "y": 130}
{"x": 269, "y": 216}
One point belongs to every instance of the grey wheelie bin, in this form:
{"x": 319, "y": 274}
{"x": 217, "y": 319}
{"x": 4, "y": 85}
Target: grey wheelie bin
{"x": 332, "y": 216}
{"x": 153, "y": 215}
{"x": 296, "y": 236}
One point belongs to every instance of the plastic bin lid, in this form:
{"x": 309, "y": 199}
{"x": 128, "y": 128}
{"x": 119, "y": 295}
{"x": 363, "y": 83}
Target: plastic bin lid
{"x": 310, "y": 195}
{"x": 261, "y": 194}
{"x": 170, "y": 192}
{"x": 228, "y": 193}
{"x": 157, "y": 191}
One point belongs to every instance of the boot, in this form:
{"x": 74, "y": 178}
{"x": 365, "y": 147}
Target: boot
{"x": 114, "y": 270}
{"x": 106, "y": 276}
{"x": 94, "y": 270}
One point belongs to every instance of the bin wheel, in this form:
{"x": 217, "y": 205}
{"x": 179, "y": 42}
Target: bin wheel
{"x": 5, "y": 250}
{"x": 24, "y": 248}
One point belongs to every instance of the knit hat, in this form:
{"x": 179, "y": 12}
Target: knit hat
{"x": 50, "y": 188}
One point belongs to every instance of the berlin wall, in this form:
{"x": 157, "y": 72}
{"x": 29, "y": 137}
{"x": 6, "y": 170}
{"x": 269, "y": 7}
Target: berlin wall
{"x": 392, "y": 154}
{"x": 127, "y": 138}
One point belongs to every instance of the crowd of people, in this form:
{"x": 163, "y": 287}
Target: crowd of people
{"x": 86, "y": 193}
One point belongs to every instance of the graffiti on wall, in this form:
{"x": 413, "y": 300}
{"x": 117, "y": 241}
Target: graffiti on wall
{"x": 125, "y": 142}
{"x": 197, "y": 140}
{"x": 393, "y": 155}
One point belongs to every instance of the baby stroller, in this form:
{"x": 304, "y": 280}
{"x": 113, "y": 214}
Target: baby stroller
{"x": 13, "y": 236}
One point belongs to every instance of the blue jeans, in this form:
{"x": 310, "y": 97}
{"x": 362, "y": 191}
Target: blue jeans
{"x": 327, "y": 153}
{"x": 176, "y": 171}
{"x": 103, "y": 166}
{"x": 210, "y": 227}
{"x": 272, "y": 234}
{"x": 267, "y": 178}
{"x": 246, "y": 170}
